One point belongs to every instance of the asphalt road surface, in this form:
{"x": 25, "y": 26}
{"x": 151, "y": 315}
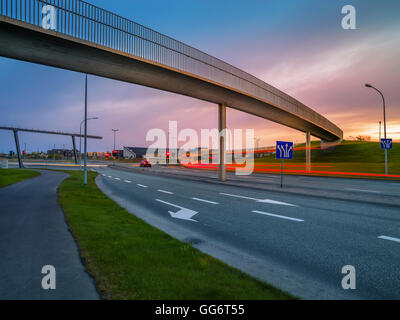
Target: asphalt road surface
{"x": 33, "y": 234}
{"x": 298, "y": 240}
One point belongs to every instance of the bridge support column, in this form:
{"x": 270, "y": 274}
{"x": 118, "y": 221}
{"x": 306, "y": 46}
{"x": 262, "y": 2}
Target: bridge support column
{"x": 222, "y": 141}
{"x": 21, "y": 165}
{"x": 308, "y": 151}
{"x": 74, "y": 149}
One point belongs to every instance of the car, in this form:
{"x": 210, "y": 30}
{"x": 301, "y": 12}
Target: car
{"x": 145, "y": 163}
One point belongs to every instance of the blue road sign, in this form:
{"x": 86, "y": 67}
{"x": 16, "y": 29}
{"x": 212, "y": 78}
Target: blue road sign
{"x": 386, "y": 143}
{"x": 284, "y": 150}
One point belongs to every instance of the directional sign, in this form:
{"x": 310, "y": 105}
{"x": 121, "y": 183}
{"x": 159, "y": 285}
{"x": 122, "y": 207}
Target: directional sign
{"x": 284, "y": 150}
{"x": 386, "y": 143}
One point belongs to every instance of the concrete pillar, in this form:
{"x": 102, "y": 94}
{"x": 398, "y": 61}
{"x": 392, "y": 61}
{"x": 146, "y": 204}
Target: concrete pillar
{"x": 21, "y": 165}
{"x": 74, "y": 149}
{"x": 222, "y": 146}
{"x": 308, "y": 151}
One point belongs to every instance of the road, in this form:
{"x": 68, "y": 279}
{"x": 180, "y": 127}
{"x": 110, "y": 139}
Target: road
{"x": 297, "y": 242}
{"x": 33, "y": 234}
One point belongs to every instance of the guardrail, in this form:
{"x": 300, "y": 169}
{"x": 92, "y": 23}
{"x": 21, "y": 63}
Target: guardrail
{"x": 88, "y": 22}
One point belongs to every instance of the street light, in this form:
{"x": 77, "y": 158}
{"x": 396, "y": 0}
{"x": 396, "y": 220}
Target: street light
{"x": 114, "y": 130}
{"x": 80, "y": 139}
{"x": 384, "y": 121}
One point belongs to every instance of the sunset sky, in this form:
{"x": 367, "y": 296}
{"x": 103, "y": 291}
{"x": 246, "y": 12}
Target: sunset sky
{"x": 297, "y": 46}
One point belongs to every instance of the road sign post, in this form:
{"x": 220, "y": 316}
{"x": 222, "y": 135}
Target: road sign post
{"x": 386, "y": 144}
{"x": 284, "y": 150}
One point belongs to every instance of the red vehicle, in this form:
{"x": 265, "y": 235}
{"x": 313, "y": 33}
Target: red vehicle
{"x": 145, "y": 163}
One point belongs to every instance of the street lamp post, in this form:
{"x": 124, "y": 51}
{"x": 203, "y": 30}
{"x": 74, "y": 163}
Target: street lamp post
{"x": 85, "y": 140}
{"x": 379, "y": 131}
{"x": 384, "y": 121}
{"x": 80, "y": 139}
{"x": 115, "y": 131}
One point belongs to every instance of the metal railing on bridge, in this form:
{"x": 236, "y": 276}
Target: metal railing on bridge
{"x": 84, "y": 21}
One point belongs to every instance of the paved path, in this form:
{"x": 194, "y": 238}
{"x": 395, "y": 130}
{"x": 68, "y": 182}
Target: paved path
{"x": 33, "y": 233}
{"x": 297, "y": 242}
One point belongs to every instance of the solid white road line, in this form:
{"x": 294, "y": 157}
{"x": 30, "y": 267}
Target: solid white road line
{"x": 389, "y": 238}
{"x": 362, "y": 190}
{"x": 277, "y": 216}
{"x": 165, "y": 191}
{"x": 141, "y": 185}
{"x": 127, "y": 181}
{"x": 117, "y": 178}
{"x": 260, "y": 200}
{"x": 207, "y": 201}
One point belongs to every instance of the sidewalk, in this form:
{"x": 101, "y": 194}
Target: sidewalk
{"x": 33, "y": 233}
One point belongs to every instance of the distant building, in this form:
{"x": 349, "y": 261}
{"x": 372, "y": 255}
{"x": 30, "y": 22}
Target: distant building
{"x": 62, "y": 152}
{"x": 134, "y": 152}
{"x": 96, "y": 155}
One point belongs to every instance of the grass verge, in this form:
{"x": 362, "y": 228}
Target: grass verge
{"x": 11, "y": 176}
{"x": 130, "y": 259}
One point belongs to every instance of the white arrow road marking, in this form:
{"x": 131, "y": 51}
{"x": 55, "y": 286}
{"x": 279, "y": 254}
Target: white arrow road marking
{"x": 165, "y": 191}
{"x": 183, "y": 213}
{"x": 277, "y": 216}
{"x": 389, "y": 238}
{"x": 127, "y": 181}
{"x": 141, "y": 185}
{"x": 207, "y": 201}
{"x": 260, "y": 200}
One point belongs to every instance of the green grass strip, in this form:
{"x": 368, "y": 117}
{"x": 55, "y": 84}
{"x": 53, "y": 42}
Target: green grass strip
{"x": 11, "y": 176}
{"x": 130, "y": 259}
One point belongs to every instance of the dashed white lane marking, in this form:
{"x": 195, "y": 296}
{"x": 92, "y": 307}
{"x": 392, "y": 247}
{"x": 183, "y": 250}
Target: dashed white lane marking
{"x": 110, "y": 176}
{"x": 141, "y": 185}
{"x": 127, "y": 181}
{"x": 171, "y": 204}
{"x": 277, "y": 216}
{"x": 117, "y": 178}
{"x": 389, "y": 238}
{"x": 260, "y": 200}
{"x": 362, "y": 190}
{"x": 207, "y": 201}
{"x": 165, "y": 191}
{"x": 103, "y": 175}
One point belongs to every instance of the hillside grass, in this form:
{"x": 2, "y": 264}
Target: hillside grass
{"x": 349, "y": 156}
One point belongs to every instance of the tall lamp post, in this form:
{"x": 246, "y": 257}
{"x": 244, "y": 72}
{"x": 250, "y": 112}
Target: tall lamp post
{"x": 115, "y": 131}
{"x": 85, "y": 140}
{"x": 80, "y": 139}
{"x": 384, "y": 121}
